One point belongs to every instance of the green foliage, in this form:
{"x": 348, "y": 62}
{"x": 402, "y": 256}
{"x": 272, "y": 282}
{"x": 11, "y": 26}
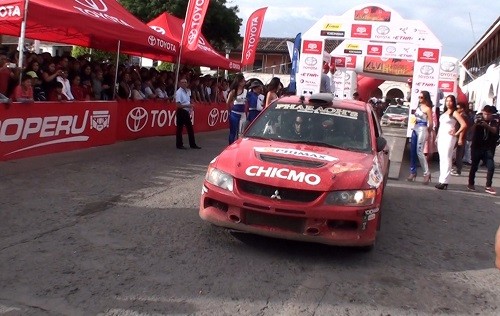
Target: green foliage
{"x": 164, "y": 66}
{"x": 95, "y": 54}
{"x": 220, "y": 27}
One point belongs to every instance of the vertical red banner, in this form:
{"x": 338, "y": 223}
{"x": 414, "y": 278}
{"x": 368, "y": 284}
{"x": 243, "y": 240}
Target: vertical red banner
{"x": 195, "y": 14}
{"x": 252, "y": 36}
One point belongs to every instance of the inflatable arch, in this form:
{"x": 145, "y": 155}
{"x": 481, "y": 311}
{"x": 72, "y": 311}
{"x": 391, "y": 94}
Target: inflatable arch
{"x": 379, "y": 44}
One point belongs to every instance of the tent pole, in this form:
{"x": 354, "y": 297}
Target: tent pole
{"x": 178, "y": 66}
{"x": 116, "y": 70}
{"x": 20, "y": 61}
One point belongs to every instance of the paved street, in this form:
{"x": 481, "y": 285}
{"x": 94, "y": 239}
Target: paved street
{"x": 115, "y": 231}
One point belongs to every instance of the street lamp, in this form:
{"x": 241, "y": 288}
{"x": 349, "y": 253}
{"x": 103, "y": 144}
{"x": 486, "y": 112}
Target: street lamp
{"x": 228, "y": 51}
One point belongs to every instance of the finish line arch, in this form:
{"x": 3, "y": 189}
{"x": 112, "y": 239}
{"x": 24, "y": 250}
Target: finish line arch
{"x": 378, "y": 43}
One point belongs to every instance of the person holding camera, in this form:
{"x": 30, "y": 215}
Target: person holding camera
{"x": 485, "y": 136}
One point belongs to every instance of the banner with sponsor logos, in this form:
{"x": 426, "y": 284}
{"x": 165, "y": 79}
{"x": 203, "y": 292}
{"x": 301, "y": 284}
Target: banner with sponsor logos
{"x": 346, "y": 83}
{"x": 89, "y": 23}
{"x": 195, "y": 14}
{"x": 44, "y": 127}
{"x": 137, "y": 119}
{"x": 376, "y": 41}
{"x": 308, "y": 78}
{"x": 252, "y": 36}
{"x": 448, "y": 75}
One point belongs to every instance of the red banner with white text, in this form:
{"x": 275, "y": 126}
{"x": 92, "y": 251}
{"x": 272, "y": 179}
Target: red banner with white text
{"x": 252, "y": 36}
{"x": 195, "y": 14}
{"x": 12, "y": 10}
{"x": 137, "y": 119}
{"x": 44, "y": 127}
{"x": 41, "y": 128}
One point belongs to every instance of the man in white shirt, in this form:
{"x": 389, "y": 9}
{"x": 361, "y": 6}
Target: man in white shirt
{"x": 184, "y": 107}
{"x": 63, "y": 78}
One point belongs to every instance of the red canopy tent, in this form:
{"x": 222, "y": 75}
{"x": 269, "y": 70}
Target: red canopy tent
{"x": 90, "y": 23}
{"x": 205, "y": 55}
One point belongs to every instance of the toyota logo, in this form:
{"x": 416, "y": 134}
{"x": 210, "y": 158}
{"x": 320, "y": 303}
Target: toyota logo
{"x": 311, "y": 61}
{"x": 137, "y": 119}
{"x": 426, "y": 70}
{"x": 192, "y": 36}
{"x": 383, "y": 30}
{"x": 390, "y": 49}
{"x": 448, "y": 66}
{"x": 213, "y": 117}
{"x": 152, "y": 40}
{"x": 92, "y": 5}
{"x": 158, "y": 29}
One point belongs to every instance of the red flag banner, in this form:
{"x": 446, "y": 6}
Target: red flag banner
{"x": 195, "y": 15}
{"x": 252, "y": 36}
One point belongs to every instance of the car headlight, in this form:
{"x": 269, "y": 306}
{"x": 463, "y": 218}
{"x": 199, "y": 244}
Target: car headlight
{"x": 351, "y": 198}
{"x": 219, "y": 178}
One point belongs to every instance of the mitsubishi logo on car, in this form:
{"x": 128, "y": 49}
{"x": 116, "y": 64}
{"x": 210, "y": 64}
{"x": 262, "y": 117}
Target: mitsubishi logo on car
{"x": 276, "y": 195}
{"x": 92, "y": 5}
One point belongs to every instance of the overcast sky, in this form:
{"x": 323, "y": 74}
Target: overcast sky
{"x": 449, "y": 20}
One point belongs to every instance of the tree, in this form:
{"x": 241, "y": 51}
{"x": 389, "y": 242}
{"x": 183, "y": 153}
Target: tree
{"x": 96, "y": 54}
{"x": 220, "y": 27}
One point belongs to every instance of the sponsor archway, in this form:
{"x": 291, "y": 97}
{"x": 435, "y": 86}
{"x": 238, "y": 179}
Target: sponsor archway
{"x": 381, "y": 45}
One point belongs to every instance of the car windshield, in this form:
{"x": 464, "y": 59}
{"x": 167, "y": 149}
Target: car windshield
{"x": 313, "y": 124}
{"x": 396, "y": 110}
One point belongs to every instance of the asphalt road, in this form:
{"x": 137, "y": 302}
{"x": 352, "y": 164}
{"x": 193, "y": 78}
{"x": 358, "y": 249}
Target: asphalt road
{"x": 115, "y": 231}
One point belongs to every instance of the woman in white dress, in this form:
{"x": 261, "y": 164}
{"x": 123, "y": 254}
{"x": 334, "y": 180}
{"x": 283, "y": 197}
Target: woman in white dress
{"x": 447, "y": 139}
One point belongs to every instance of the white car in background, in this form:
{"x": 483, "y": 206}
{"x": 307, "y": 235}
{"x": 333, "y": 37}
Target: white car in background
{"x": 395, "y": 115}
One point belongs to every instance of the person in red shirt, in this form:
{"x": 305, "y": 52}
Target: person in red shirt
{"x": 56, "y": 94}
{"x": 78, "y": 91}
{"x": 24, "y": 91}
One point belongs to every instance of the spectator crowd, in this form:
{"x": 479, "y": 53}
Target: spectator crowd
{"x": 64, "y": 78}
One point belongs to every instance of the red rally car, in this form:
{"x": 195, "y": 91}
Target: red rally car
{"x": 311, "y": 169}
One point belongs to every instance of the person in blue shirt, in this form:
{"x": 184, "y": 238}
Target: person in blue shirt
{"x": 255, "y": 100}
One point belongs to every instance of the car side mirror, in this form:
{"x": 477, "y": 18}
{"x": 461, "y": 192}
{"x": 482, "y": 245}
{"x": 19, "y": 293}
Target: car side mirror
{"x": 381, "y": 143}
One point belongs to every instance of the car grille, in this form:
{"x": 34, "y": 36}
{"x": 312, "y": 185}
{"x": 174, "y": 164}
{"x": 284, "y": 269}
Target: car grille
{"x": 292, "y": 162}
{"x": 284, "y": 193}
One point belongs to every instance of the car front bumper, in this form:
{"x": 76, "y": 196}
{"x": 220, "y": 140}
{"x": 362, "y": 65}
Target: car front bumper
{"x": 310, "y": 222}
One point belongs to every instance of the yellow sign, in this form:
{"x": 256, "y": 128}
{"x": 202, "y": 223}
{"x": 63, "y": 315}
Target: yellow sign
{"x": 332, "y": 26}
{"x": 352, "y": 46}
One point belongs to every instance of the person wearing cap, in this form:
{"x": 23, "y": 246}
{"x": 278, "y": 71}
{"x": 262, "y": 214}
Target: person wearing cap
{"x": 484, "y": 139}
{"x": 38, "y": 92}
{"x": 255, "y": 99}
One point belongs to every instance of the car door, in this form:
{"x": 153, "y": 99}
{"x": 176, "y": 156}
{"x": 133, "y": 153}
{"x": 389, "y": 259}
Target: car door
{"x": 383, "y": 156}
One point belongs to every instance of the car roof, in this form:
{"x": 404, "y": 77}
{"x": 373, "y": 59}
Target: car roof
{"x": 325, "y": 99}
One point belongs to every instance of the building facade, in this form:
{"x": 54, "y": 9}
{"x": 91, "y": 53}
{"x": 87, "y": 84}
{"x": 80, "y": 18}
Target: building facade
{"x": 480, "y": 71}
